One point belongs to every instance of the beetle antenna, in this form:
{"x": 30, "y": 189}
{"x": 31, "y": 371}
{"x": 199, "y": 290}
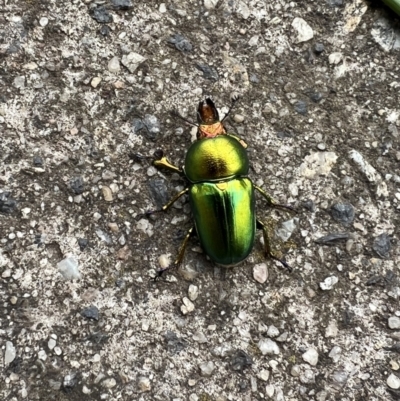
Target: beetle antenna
{"x": 233, "y": 102}
{"x": 174, "y": 113}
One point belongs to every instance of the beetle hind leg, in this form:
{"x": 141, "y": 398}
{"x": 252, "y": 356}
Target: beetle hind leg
{"x": 179, "y": 258}
{"x": 272, "y": 203}
{"x": 166, "y": 206}
{"x": 267, "y": 246}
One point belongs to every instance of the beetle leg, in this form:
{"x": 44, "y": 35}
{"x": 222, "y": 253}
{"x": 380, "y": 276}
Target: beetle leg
{"x": 169, "y": 204}
{"x": 267, "y": 245}
{"x": 271, "y": 202}
{"x": 165, "y": 163}
{"x": 179, "y": 258}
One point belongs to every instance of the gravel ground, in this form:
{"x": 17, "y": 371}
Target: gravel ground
{"x": 87, "y": 88}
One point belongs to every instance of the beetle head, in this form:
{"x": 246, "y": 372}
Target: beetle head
{"x": 208, "y": 119}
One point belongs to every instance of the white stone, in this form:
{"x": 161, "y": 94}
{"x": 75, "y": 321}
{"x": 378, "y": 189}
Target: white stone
{"x": 287, "y": 227}
{"x": 193, "y": 292}
{"x": 43, "y": 21}
{"x": 243, "y": 10}
{"x": 210, "y": 4}
{"x": 394, "y": 322}
{"x": 69, "y": 269}
{"x": 303, "y": 30}
{"x": 335, "y": 58}
{"x": 95, "y": 82}
{"x": 263, "y": 375}
{"x": 51, "y": 343}
{"x": 317, "y": 163}
{"x": 393, "y": 382}
{"x": 113, "y": 65}
{"x": 311, "y": 356}
{"x": 164, "y": 261}
{"x": 144, "y": 384}
{"x": 328, "y": 283}
{"x": 270, "y": 390}
{"x": 42, "y": 355}
{"x": 268, "y": 347}
{"x": 162, "y": 8}
{"x": 10, "y": 353}
{"x": 109, "y": 383}
{"x": 335, "y": 353}
{"x": 260, "y": 273}
{"x": 19, "y": 82}
{"x": 187, "y": 306}
{"x": 132, "y": 61}
{"x": 199, "y": 337}
{"x": 332, "y": 329}
{"x": 206, "y": 369}
{"x": 272, "y": 332}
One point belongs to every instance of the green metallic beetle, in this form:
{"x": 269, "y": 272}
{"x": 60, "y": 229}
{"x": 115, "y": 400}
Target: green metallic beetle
{"x": 221, "y": 195}
{"x": 394, "y": 5}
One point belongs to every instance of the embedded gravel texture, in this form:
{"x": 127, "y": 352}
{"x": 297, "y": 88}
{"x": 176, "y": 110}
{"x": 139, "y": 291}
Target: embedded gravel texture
{"x": 86, "y": 91}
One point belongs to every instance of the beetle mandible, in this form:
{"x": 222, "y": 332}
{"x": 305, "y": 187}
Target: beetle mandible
{"x": 221, "y": 194}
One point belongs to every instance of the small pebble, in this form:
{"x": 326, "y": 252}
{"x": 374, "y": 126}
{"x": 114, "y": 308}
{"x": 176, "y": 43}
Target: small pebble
{"x": 144, "y": 384}
{"x": 319, "y": 48}
{"x": 270, "y": 390}
{"x": 272, "y": 332}
{"x": 295, "y": 371}
{"x": 162, "y": 8}
{"x": 51, "y": 343}
{"x": 43, "y": 21}
{"x": 206, "y": 368}
{"x": 113, "y": 227}
{"x": 42, "y": 355}
{"x": 263, "y": 375}
{"x": 260, "y": 273}
{"x": 85, "y": 390}
{"x": 57, "y": 350}
{"x": 193, "y": 292}
{"x": 268, "y": 347}
{"x": 107, "y": 194}
{"x": 210, "y": 4}
{"x": 187, "y": 306}
{"x": 393, "y": 382}
{"x": 332, "y": 329}
{"x": 311, "y": 356}
{"x": 109, "y": 383}
{"x": 335, "y": 353}
{"x": 69, "y": 269}
{"x": 238, "y": 118}
{"x": 113, "y": 65}
{"x": 303, "y": 30}
{"x": 95, "y": 82}
{"x": 91, "y": 312}
{"x": 199, "y": 337}
{"x": 394, "y": 323}
{"x": 328, "y": 283}
{"x": 308, "y": 377}
{"x": 164, "y": 261}
{"x": 10, "y": 353}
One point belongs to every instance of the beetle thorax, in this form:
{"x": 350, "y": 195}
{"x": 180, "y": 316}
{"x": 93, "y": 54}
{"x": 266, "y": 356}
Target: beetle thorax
{"x": 217, "y": 158}
{"x": 210, "y": 130}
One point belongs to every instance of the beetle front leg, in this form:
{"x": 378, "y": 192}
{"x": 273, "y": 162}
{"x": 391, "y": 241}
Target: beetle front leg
{"x": 179, "y": 258}
{"x": 271, "y": 202}
{"x": 167, "y": 205}
{"x": 267, "y": 245}
{"x": 165, "y": 163}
